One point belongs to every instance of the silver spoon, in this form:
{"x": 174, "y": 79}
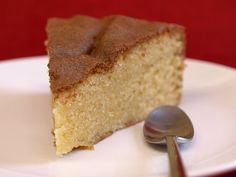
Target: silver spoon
{"x": 168, "y": 124}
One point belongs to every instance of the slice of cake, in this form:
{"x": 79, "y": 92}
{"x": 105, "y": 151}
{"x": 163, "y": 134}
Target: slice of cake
{"x": 107, "y": 74}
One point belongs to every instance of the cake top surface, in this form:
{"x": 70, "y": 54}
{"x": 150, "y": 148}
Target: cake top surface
{"x": 83, "y": 45}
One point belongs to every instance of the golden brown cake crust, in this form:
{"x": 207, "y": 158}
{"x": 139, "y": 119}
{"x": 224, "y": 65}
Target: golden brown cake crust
{"x": 83, "y": 45}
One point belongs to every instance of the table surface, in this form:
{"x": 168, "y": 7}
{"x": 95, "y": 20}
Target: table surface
{"x": 210, "y": 25}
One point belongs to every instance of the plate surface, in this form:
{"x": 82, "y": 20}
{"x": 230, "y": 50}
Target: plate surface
{"x": 209, "y": 98}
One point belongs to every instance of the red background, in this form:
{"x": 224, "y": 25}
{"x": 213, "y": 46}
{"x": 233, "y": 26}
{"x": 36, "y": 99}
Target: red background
{"x": 210, "y": 24}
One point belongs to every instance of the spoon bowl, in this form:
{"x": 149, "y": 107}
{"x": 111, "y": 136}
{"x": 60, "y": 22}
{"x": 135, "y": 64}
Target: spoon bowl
{"x": 168, "y": 121}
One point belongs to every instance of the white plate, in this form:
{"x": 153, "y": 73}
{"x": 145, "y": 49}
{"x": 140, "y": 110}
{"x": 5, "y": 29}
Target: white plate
{"x": 26, "y": 147}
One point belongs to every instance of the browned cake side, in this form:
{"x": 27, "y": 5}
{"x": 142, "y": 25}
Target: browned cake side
{"x": 84, "y": 45}
{"x": 107, "y": 74}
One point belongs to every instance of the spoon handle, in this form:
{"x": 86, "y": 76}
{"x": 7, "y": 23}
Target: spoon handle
{"x": 176, "y": 164}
